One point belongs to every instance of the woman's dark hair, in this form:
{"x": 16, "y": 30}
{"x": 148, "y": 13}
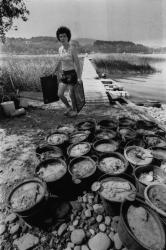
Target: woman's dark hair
{"x": 63, "y": 30}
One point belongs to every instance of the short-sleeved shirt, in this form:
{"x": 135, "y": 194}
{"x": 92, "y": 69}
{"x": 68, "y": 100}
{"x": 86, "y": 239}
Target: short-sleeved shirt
{"x": 66, "y": 58}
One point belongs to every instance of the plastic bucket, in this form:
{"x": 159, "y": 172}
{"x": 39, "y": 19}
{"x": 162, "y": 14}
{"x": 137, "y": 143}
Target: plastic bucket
{"x": 113, "y": 207}
{"x": 33, "y": 210}
{"x": 56, "y": 185}
{"x": 83, "y": 182}
{"x": 138, "y": 171}
{"x": 126, "y": 235}
{"x": 8, "y": 108}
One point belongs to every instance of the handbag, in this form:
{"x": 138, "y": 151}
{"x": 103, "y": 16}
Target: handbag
{"x": 49, "y": 85}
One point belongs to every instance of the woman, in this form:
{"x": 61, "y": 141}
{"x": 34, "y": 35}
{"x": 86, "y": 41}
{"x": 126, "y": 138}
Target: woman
{"x": 71, "y": 71}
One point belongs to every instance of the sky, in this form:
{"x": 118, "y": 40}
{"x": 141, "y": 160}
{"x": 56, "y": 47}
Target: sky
{"x": 139, "y": 21}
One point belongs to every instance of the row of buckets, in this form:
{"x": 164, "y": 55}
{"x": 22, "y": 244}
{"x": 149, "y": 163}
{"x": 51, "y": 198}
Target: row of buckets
{"x": 57, "y": 149}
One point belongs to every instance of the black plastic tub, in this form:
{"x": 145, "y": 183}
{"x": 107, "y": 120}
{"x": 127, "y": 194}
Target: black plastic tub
{"x": 60, "y": 139}
{"x": 108, "y": 124}
{"x": 82, "y": 181}
{"x": 46, "y": 151}
{"x": 56, "y": 181}
{"x": 24, "y": 195}
{"x": 80, "y": 136}
{"x": 113, "y": 207}
{"x": 113, "y": 172}
{"x": 126, "y": 235}
{"x": 107, "y": 134}
{"x": 87, "y": 124}
{"x": 127, "y": 122}
{"x": 109, "y": 146}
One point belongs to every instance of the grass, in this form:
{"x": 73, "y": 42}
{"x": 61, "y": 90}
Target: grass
{"x": 25, "y": 71}
{"x": 124, "y": 64}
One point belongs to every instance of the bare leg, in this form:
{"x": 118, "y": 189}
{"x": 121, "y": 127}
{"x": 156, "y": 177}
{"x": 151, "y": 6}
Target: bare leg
{"x": 71, "y": 93}
{"x": 61, "y": 90}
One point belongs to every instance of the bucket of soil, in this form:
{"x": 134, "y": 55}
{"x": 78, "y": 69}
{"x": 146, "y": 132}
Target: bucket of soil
{"x": 87, "y": 124}
{"x": 126, "y": 133}
{"x": 146, "y": 124}
{"x": 28, "y": 199}
{"x": 108, "y": 124}
{"x": 147, "y": 175}
{"x": 78, "y": 149}
{"x": 80, "y": 136}
{"x": 83, "y": 172}
{"x": 107, "y": 134}
{"x": 66, "y": 128}
{"x": 54, "y": 173}
{"x": 105, "y": 146}
{"x": 159, "y": 153}
{"x": 140, "y": 228}
{"x": 59, "y": 139}
{"x": 112, "y": 163}
{"x": 155, "y": 196}
{"x": 127, "y": 122}
{"x": 46, "y": 151}
{"x": 138, "y": 156}
{"x": 154, "y": 141}
{"x": 114, "y": 190}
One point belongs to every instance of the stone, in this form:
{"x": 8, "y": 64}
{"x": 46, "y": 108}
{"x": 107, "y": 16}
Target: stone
{"x": 99, "y": 242}
{"x": 84, "y": 247}
{"x": 102, "y": 227}
{"x": 117, "y": 241}
{"x": 77, "y": 248}
{"x": 75, "y": 222}
{"x": 77, "y": 236}
{"x": 70, "y": 244}
{"x": 71, "y": 228}
{"x": 87, "y": 213}
{"x": 11, "y": 218}
{"x": 107, "y": 220}
{"x": 27, "y": 241}
{"x": 92, "y": 231}
{"x": 111, "y": 236}
{"x": 54, "y": 233}
{"x": 84, "y": 199}
{"x": 2, "y": 228}
{"x": 62, "y": 229}
{"x": 14, "y": 228}
{"x": 99, "y": 218}
{"x": 98, "y": 208}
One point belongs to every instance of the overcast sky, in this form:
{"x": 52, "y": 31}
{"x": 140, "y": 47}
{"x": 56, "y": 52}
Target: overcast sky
{"x": 140, "y": 21}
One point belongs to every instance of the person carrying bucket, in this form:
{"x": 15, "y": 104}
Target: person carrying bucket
{"x": 71, "y": 71}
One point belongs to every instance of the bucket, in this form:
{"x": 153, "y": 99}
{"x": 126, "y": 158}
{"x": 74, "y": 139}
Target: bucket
{"x": 23, "y": 201}
{"x": 84, "y": 180}
{"x": 8, "y": 108}
{"x": 45, "y": 151}
{"x": 54, "y": 172}
{"x": 18, "y": 112}
{"x": 112, "y": 207}
{"x": 126, "y": 235}
{"x": 146, "y": 169}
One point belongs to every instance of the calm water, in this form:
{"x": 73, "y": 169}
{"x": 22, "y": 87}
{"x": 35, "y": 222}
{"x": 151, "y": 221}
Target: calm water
{"x": 148, "y": 87}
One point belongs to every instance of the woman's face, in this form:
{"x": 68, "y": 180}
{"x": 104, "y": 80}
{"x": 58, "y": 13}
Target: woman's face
{"x": 63, "y": 38}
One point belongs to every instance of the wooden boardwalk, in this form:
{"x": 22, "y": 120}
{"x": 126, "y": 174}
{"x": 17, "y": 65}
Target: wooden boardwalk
{"x": 94, "y": 89}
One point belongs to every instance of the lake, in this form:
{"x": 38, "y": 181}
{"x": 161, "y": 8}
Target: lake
{"x": 147, "y": 87}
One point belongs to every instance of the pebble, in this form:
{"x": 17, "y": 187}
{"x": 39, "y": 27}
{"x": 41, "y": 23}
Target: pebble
{"x": 70, "y": 244}
{"x": 77, "y": 236}
{"x": 62, "y": 229}
{"x": 2, "y": 228}
{"x": 99, "y": 218}
{"x": 77, "y": 248}
{"x": 87, "y": 213}
{"x": 14, "y": 228}
{"x": 75, "y": 222}
{"x": 117, "y": 242}
{"x": 85, "y": 200}
{"x": 98, "y": 208}
{"x": 54, "y": 233}
{"x": 99, "y": 242}
{"x": 27, "y": 241}
{"x": 111, "y": 236}
{"x": 84, "y": 247}
{"x": 11, "y": 218}
{"x": 71, "y": 228}
{"x": 107, "y": 220}
{"x": 92, "y": 231}
{"x": 102, "y": 227}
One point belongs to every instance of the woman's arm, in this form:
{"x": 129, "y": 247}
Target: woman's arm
{"x": 77, "y": 63}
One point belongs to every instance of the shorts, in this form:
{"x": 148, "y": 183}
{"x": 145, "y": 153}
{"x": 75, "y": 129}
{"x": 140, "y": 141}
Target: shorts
{"x": 69, "y": 77}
